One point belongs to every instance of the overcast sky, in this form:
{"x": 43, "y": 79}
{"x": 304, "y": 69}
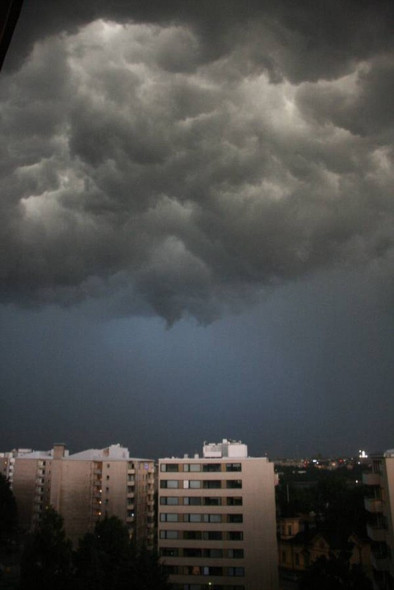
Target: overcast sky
{"x": 197, "y": 234}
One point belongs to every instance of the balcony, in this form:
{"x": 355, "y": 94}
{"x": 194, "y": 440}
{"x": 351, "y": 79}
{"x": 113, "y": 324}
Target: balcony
{"x": 373, "y": 505}
{"x": 130, "y": 519}
{"x": 131, "y": 472}
{"x": 377, "y": 533}
{"x": 372, "y": 479}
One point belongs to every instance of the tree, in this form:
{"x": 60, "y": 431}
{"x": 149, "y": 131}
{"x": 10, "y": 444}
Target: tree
{"x": 46, "y": 558}
{"x": 334, "y": 573}
{"x": 106, "y": 560}
{"x": 8, "y": 513}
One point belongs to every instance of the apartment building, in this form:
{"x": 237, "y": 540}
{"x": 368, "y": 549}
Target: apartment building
{"x": 379, "y": 504}
{"x": 216, "y": 524}
{"x": 84, "y": 488}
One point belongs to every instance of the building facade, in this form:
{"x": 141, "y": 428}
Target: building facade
{"x": 379, "y": 504}
{"x": 84, "y": 488}
{"x": 216, "y": 524}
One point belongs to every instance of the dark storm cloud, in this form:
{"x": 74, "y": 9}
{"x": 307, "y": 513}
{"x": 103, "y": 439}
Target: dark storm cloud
{"x": 181, "y": 157}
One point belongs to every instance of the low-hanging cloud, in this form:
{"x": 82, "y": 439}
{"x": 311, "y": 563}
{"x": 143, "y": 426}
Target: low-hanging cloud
{"x": 140, "y": 168}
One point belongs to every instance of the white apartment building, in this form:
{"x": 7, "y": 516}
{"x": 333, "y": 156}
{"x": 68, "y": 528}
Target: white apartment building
{"x": 216, "y": 528}
{"x": 379, "y": 504}
{"x": 84, "y": 488}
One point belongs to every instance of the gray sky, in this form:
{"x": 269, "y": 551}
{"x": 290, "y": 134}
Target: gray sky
{"x": 197, "y": 226}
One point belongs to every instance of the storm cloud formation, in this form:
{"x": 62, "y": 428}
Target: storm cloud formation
{"x": 179, "y": 158}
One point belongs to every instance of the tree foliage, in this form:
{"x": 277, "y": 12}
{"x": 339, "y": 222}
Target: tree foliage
{"x": 334, "y": 573}
{"x": 46, "y": 559}
{"x": 106, "y": 560}
{"x": 332, "y": 496}
{"x": 8, "y": 513}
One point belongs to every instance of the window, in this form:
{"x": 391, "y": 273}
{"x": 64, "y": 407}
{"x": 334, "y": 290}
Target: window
{"x": 212, "y": 517}
{"x": 192, "y": 517}
{"x": 195, "y": 467}
{"x": 169, "y": 534}
{"x": 192, "y": 467}
{"x": 169, "y": 483}
{"x": 169, "y": 552}
{"x": 195, "y": 484}
{"x": 211, "y": 467}
{"x": 212, "y": 571}
{"x": 192, "y": 552}
{"x": 234, "y": 501}
{"x": 233, "y": 467}
{"x": 234, "y": 483}
{"x": 213, "y": 553}
{"x": 212, "y": 535}
{"x": 191, "y": 535}
{"x": 169, "y": 500}
{"x": 236, "y": 553}
{"x": 235, "y": 535}
{"x": 235, "y": 518}
{"x": 212, "y": 501}
{"x": 236, "y": 571}
{"x": 169, "y": 517}
{"x": 192, "y": 501}
{"x": 211, "y": 484}
{"x": 169, "y": 467}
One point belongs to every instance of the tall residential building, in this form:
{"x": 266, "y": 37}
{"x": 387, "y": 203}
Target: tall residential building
{"x": 380, "y": 506}
{"x": 28, "y": 472}
{"x": 216, "y": 524}
{"x": 379, "y": 503}
{"x": 84, "y": 488}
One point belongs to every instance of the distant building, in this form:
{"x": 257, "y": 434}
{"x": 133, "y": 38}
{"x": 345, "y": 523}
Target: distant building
{"x": 300, "y": 544}
{"x": 380, "y": 506}
{"x": 216, "y": 525}
{"x": 84, "y": 488}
